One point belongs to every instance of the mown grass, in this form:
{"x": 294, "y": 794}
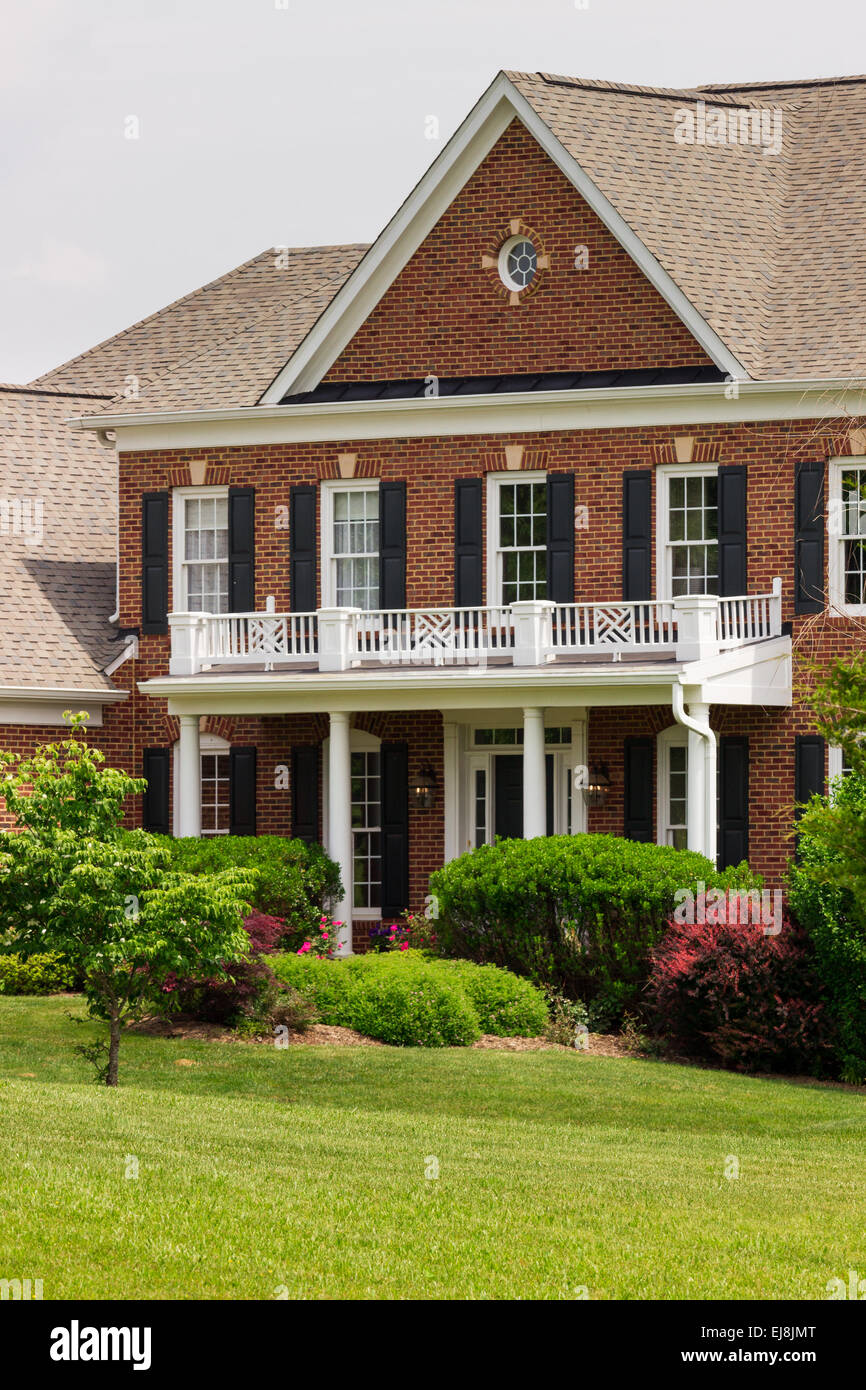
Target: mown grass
{"x": 303, "y": 1169}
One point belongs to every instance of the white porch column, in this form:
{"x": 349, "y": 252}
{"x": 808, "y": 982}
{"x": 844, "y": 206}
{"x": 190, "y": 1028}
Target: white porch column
{"x": 189, "y": 778}
{"x": 450, "y": 789}
{"x": 701, "y": 712}
{"x": 534, "y": 779}
{"x": 697, "y": 796}
{"x": 340, "y": 820}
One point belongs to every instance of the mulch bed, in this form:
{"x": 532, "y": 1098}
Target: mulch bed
{"x": 324, "y": 1034}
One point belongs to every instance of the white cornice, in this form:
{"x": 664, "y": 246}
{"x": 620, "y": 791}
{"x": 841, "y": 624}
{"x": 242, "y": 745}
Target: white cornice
{"x": 518, "y": 413}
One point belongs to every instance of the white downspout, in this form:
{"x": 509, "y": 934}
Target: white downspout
{"x": 701, "y": 727}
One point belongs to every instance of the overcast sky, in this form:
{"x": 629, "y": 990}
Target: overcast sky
{"x": 298, "y": 122}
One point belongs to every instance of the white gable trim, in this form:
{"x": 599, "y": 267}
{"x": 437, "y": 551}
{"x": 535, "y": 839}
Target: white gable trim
{"x": 430, "y": 198}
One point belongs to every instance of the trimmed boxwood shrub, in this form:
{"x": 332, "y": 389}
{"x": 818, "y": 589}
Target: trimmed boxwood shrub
{"x": 46, "y": 973}
{"x": 408, "y": 998}
{"x": 732, "y": 994}
{"x": 506, "y": 1005}
{"x": 295, "y": 881}
{"x": 578, "y": 913}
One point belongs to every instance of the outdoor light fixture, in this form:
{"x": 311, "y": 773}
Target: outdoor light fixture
{"x": 597, "y": 785}
{"x": 425, "y": 788}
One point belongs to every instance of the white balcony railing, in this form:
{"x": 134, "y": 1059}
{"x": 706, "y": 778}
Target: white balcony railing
{"x": 525, "y": 634}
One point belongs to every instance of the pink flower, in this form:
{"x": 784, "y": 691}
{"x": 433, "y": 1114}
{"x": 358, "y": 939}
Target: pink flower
{"x": 302, "y": 949}
{"x": 404, "y": 946}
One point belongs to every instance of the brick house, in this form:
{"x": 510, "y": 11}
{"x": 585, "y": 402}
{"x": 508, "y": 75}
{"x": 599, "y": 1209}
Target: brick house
{"x": 525, "y": 519}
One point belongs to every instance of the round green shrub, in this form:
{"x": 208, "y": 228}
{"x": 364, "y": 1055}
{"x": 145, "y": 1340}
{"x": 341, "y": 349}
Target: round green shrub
{"x": 506, "y": 1005}
{"x": 294, "y": 880}
{"x": 412, "y": 1009}
{"x": 46, "y": 973}
{"x": 579, "y": 913}
{"x": 399, "y": 998}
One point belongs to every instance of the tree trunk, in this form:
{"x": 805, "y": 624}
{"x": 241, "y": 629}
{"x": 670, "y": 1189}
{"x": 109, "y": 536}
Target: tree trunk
{"x": 113, "y": 1048}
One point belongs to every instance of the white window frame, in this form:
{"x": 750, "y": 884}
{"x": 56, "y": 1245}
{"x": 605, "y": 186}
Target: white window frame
{"x": 835, "y": 765}
{"x": 179, "y": 498}
{"x": 208, "y": 743}
{"x": 673, "y": 737}
{"x": 494, "y": 554}
{"x": 664, "y": 473}
{"x": 566, "y": 758}
{"x": 835, "y": 543}
{"x": 326, "y": 531}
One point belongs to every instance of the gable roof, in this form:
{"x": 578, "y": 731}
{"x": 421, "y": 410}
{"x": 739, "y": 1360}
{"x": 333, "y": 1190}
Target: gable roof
{"x": 759, "y": 253}
{"x": 57, "y": 532}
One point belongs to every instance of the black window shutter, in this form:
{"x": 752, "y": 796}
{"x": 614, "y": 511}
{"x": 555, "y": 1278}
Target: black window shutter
{"x": 392, "y": 545}
{"x": 469, "y": 544}
{"x": 548, "y": 792}
{"x": 637, "y": 533}
{"x": 242, "y": 549}
{"x": 560, "y": 537}
{"x": 242, "y": 791}
{"x": 155, "y": 814}
{"x": 733, "y": 800}
{"x": 154, "y": 562}
{"x": 808, "y": 768}
{"x": 395, "y": 828}
{"x": 638, "y": 791}
{"x": 305, "y": 793}
{"x": 809, "y": 537}
{"x": 302, "y": 547}
{"x": 732, "y": 529}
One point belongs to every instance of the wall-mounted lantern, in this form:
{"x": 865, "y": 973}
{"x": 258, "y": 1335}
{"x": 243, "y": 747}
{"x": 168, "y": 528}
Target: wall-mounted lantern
{"x": 424, "y": 790}
{"x": 598, "y": 785}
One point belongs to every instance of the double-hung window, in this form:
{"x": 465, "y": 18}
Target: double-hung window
{"x": 847, "y": 527}
{"x": 673, "y": 788}
{"x": 518, "y": 553}
{"x": 689, "y": 531}
{"x": 201, "y": 542}
{"x": 215, "y": 793}
{"x": 351, "y": 544}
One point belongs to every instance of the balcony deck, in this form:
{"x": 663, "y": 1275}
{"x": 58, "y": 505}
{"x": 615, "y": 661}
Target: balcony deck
{"x": 532, "y": 634}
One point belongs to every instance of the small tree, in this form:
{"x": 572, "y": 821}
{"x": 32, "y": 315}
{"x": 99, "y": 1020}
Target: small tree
{"x": 72, "y": 880}
{"x": 839, "y": 702}
{"x": 827, "y": 881}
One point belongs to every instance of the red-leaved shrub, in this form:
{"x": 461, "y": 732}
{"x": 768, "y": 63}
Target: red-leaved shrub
{"x": 226, "y": 1001}
{"x": 732, "y": 994}
{"x": 265, "y": 933}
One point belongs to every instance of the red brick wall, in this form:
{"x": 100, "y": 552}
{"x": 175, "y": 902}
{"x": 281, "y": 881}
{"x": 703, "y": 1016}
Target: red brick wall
{"x": 446, "y": 315}
{"x": 598, "y": 459}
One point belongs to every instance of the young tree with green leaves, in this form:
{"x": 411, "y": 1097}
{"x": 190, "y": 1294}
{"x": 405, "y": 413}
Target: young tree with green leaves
{"x": 73, "y": 880}
{"x": 827, "y": 881}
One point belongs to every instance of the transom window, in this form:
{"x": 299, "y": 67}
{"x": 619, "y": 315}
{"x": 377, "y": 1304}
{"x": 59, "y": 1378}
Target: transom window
{"x": 205, "y": 551}
{"x": 518, "y": 263}
{"x": 523, "y": 540}
{"x": 215, "y": 794}
{"x": 693, "y": 534}
{"x": 853, "y": 534}
{"x": 366, "y": 830}
{"x": 487, "y": 738}
{"x": 355, "y": 547}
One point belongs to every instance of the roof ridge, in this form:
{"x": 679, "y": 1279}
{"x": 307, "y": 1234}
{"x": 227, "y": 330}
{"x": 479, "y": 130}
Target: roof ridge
{"x": 27, "y": 390}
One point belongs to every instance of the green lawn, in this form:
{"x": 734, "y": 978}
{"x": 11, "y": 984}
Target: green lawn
{"x": 305, "y": 1168}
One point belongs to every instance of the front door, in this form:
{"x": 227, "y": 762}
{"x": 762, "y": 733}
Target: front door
{"x": 508, "y": 796}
